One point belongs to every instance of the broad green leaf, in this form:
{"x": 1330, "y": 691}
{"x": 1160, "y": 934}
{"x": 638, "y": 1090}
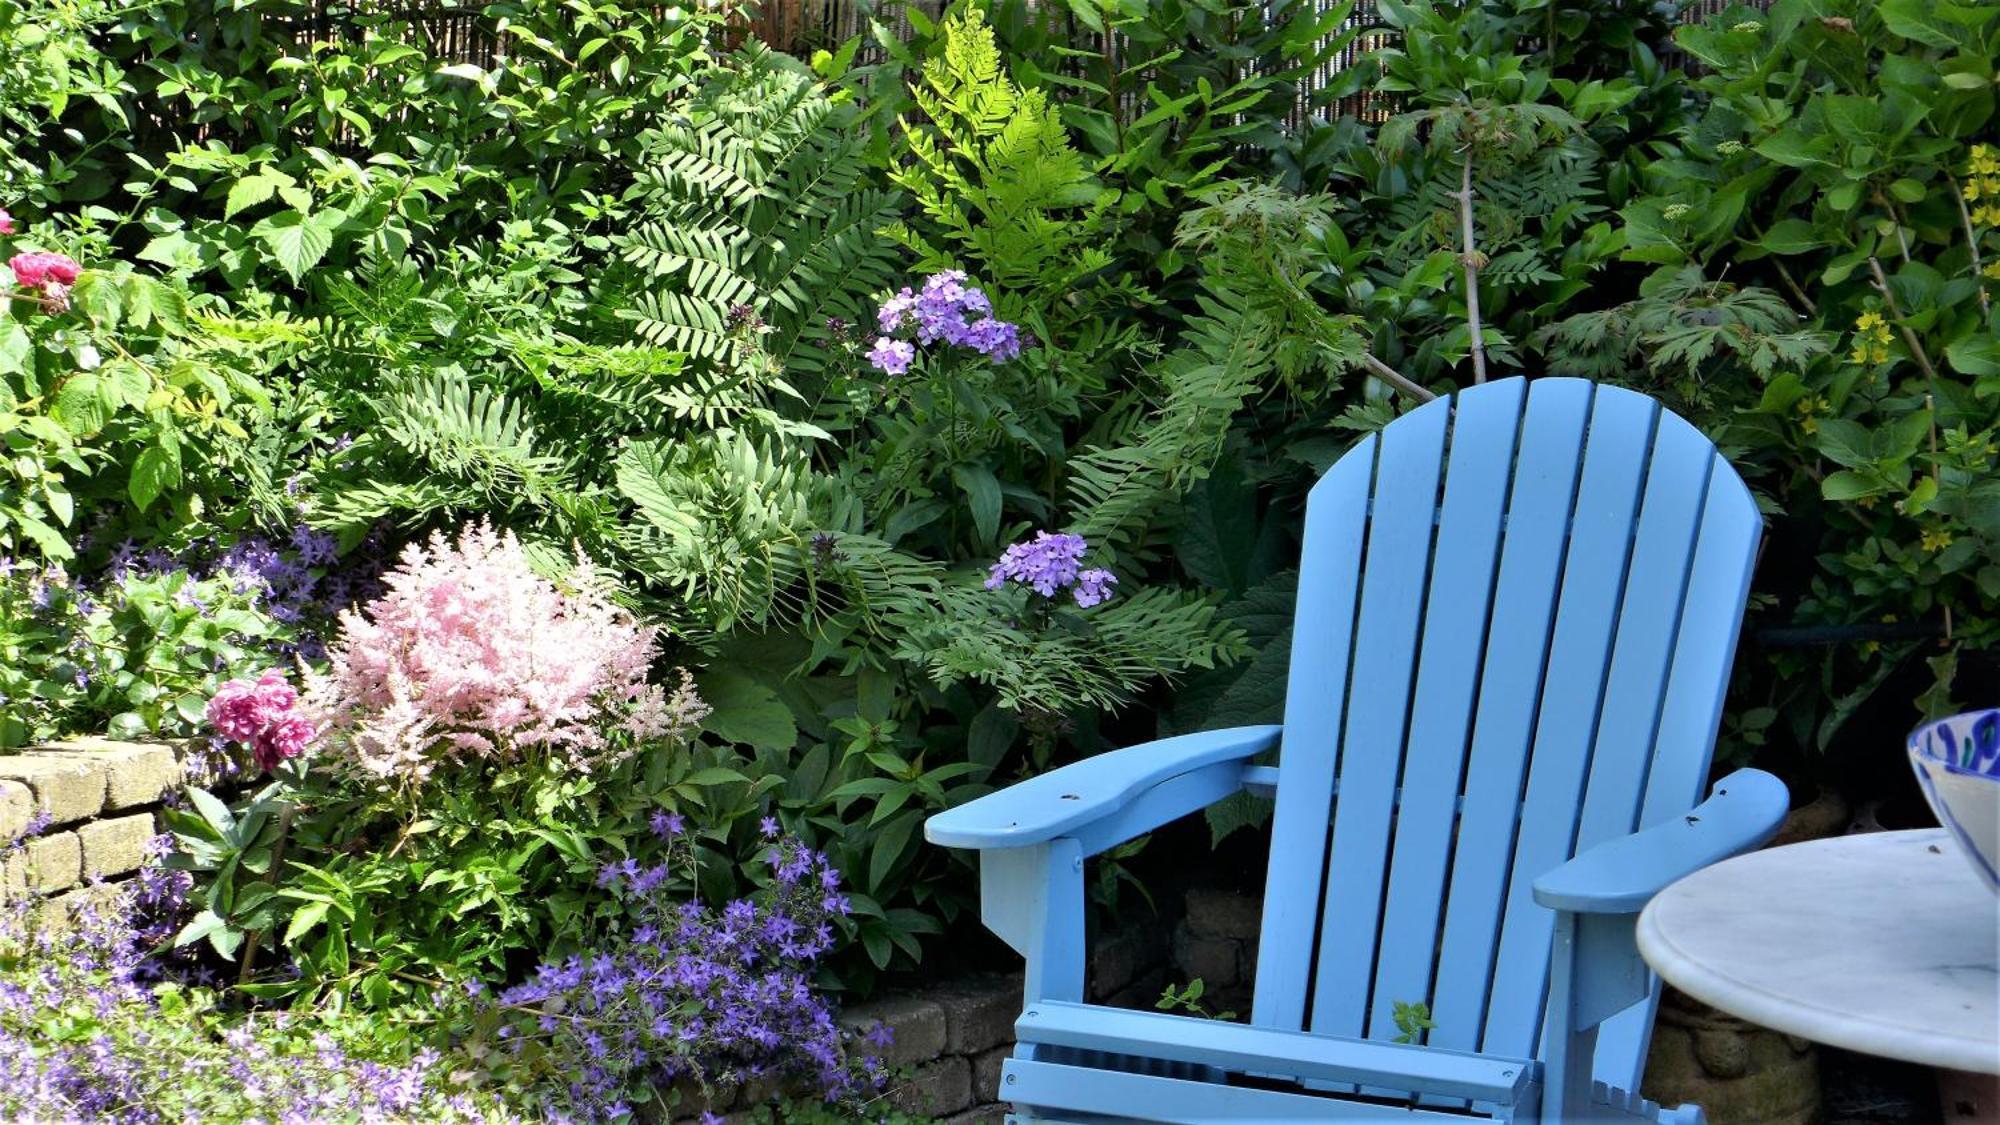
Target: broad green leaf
{"x": 296, "y": 240}
{"x": 1792, "y": 236}
{"x": 251, "y": 190}
{"x": 982, "y": 494}
{"x": 156, "y": 469}
{"x": 1848, "y": 485}
{"x": 746, "y": 711}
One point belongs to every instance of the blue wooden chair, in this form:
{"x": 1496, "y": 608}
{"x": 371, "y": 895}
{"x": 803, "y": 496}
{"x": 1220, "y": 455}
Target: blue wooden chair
{"x": 1516, "y": 614}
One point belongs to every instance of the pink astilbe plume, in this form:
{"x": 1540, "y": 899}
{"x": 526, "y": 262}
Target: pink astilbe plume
{"x": 472, "y": 656}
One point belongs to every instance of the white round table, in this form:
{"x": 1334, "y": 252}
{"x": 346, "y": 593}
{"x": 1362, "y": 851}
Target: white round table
{"x": 1885, "y": 943}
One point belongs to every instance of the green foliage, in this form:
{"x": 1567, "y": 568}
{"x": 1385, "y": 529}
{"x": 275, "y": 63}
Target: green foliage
{"x": 1837, "y": 164}
{"x": 137, "y": 660}
{"x": 754, "y": 201}
{"x": 1188, "y": 999}
{"x": 1413, "y": 1018}
{"x": 133, "y": 393}
{"x": 995, "y": 172}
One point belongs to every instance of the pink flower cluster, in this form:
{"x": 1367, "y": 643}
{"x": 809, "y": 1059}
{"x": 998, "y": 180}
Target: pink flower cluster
{"x": 261, "y": 715}
{"x": 50, "y": 274}
{"x": 472, "y": 656}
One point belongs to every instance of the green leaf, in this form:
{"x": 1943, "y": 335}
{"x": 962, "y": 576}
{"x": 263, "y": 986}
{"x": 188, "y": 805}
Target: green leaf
{"x": 298, "y": 241}
{"x": 1911, "y": 19}
{"x": 212, "y": 810}
{"x": 1977, "y": 355}
{"x": 304, "y": 919}
{"x": 1792, "y": 236}
{"x": 982, "y": 494}
{"x": 1792, "y": 148}
{"x": 889, "y": 849}
{"x": 714, "y": 775}
{"x": 746, "y": 711}
{"x": 1848, "y": 485}
{"x": 82, "y": 405}
{"x": 202, "y": 925}
{"x": 1846, "y": 442}
{"x": 156, "y": 469}
{"x": 251, "y": 190}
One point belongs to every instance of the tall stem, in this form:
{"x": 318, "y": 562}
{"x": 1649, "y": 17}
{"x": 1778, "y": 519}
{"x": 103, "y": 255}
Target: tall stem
{"x": 1971, "y": 243}
{"x": 250, "y": 943}
{"x": 1471, "y": 259}
{"x": 1909, "y": 337}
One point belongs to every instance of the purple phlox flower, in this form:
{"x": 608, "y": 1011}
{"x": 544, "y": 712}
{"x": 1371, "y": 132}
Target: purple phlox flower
{"x": 768, "y": 826}
{"x": 1093, "y": 586}
{"x": 666, "y": 824}
{"x": 947, "y": 309}
{"x": 896, "y": 311}
{"x": 891, "y": 356}
{"x": 1048, "y": 562}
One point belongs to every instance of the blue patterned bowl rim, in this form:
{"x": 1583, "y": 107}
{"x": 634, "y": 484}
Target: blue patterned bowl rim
{"x": 1966, "y": 744}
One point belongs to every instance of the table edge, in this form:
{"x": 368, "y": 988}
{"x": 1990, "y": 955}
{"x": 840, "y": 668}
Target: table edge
{"x": 1835, "y": 1029}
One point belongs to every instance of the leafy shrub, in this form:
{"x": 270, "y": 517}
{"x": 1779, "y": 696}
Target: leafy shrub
{"x": 1835, "y": 172}
{"x": 137, "y": 655}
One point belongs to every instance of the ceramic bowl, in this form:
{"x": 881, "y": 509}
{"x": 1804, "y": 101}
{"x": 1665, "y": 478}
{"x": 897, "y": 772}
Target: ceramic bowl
{"x": 1958, "y": 766}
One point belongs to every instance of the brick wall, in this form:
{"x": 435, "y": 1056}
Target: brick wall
{"x": 101, "y": 797}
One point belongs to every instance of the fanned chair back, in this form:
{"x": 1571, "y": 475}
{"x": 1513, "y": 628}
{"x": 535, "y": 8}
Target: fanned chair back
{"x": 1517, "y": 610}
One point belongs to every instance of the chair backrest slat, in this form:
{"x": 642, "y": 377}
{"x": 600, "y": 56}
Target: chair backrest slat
{"x": 1718, "y": 585}
{"x": 1329, "y": 578}
{"x": 1600, "y": 543}
{"x": 1648, "y": 624}
{"x": 1466, "y": 560}
{"x": 1545, "y": 473}
{"x": 1535, "y": 661}
{"x": 1378, "y": 706}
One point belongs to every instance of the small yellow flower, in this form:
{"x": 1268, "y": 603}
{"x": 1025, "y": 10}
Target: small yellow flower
{"x": 1935, "y": 541}
{"x": 1810, "y": 425}
{"x": 1870, "y": 648}
{"x": 1865, "y": 503}
{"x": 1992, "y": 270}
{"x": 1871, "y": 339}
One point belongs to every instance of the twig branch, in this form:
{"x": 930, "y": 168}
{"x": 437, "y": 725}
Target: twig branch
{"x": 1470, "y": 258}
{"x": 1910, "y": 338}
{"x": 1971, "y": 243}
{"x": 1785, "y": 276}
{"x": 1395, "y": 378}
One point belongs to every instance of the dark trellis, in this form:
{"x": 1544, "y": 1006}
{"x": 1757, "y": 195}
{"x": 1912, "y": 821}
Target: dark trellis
{"x": 455, "y": 33}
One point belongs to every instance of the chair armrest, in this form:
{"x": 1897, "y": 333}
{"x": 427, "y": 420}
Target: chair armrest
{"x": 1620, "y": 876}
{"x": 1042, "y": 808}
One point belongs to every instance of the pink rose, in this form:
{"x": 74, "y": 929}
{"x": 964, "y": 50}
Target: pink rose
{"x": 6, "y": 222}
{"x": 285, "y": 737}
{"x": 39, "y": 269}
{"x": 261, "y": 714}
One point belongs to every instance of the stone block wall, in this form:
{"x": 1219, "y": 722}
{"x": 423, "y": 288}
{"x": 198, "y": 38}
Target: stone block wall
{"x": 101, "y": 798}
